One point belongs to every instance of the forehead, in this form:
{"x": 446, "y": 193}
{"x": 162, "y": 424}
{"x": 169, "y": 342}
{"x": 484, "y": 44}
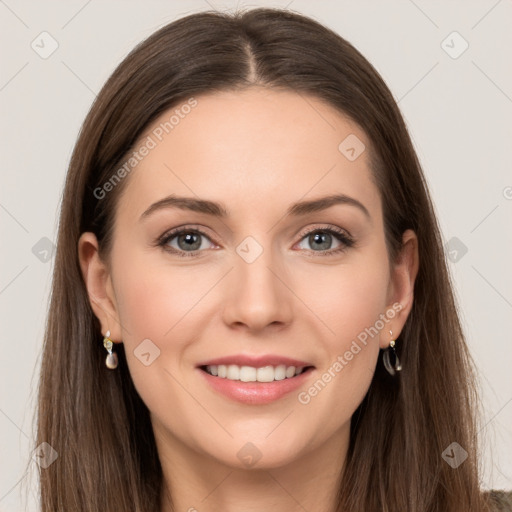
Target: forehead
{"x": 252, "y": 149}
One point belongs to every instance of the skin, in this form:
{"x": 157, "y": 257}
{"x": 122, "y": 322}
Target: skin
{"x": 256, "y": 151}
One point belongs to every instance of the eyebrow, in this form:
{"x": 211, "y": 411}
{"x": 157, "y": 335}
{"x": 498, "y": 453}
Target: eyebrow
{"x": 219, "y": 210}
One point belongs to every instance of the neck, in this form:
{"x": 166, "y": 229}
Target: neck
{"x": 199, "y": 483}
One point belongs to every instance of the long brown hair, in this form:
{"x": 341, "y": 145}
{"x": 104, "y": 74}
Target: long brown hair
{"x": 94, "y": 417}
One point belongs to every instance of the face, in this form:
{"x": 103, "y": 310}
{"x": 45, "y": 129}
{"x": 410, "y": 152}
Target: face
{"x": 264, "y": 286}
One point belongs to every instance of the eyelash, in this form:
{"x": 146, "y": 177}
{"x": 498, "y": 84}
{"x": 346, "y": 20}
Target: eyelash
{"x": 341, "y": 235}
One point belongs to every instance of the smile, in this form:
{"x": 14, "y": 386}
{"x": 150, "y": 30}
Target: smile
{"x": 252, "y": 374}
{"x": 252, "y": 385}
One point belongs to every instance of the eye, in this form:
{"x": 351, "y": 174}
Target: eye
{"x": 322, "y": 238}
{"x": 189, "y": 242}
{"x": 184, "y": 241}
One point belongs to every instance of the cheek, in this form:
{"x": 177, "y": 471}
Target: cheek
{"x": 152, "y": 303}
{"x": 351, "y": 302}
{"x": 154, "y": 299}
{"x": 156, "y": 303}
{"x": 349, "y": 299}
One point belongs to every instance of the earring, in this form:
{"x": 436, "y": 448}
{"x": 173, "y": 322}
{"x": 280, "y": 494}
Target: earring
{"x": 111, "y": 360}
{"x": 390, "y": 358}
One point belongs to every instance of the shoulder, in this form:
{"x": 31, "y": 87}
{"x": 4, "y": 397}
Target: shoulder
{"x": 500, "y": 501}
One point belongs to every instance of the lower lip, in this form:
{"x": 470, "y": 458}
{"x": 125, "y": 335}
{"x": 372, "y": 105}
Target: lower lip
{"x": 256, "y": 393}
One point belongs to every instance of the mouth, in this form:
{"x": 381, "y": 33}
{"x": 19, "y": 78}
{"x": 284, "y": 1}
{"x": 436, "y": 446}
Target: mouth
{"x": 269, "y": 373}
{"x": 255, "y": 381}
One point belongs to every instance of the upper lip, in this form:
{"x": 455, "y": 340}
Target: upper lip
{"x": 255, "y": 361}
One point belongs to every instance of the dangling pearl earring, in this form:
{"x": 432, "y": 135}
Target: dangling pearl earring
{"x": 390, "y": 358}
{"x": 111, "y": 360}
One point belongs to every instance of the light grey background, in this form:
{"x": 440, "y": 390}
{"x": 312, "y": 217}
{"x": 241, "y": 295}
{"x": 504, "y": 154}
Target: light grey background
{"x": 458, "y": 111}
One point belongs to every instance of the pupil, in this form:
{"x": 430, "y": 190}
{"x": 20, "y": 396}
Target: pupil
{"x": 191, "y": 241}
{"x": 318, "y": 237}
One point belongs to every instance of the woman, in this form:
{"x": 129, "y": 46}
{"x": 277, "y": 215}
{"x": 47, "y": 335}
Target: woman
{"x": 202, "y": 352}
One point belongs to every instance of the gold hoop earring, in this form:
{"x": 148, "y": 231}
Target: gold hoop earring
{"x": 111, "y": 359}
{"x": 390, "y": 358}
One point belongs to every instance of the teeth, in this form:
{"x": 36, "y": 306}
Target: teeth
{"x": 251, "y": 374}
{"x": 280, "y": 372}
{"x": 233, "y": 372}
{"x": 248, "y": 374}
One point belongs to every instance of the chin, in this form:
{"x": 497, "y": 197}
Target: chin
{"x": 259, "y": 454}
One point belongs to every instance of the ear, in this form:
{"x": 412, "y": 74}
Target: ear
{"x": 99, "y": 285}
{"x": 401, "y": 287}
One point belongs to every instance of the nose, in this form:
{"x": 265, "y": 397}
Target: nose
{"x": 258, "y": 293}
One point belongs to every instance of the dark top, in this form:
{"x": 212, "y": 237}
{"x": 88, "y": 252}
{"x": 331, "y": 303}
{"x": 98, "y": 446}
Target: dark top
{"x": 501, "y": 500}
